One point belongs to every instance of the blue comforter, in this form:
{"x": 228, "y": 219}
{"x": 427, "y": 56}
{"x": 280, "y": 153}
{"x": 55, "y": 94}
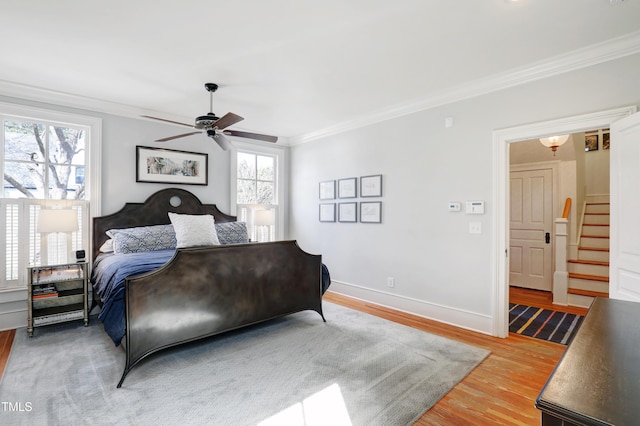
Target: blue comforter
{"x": 108, "y": 279}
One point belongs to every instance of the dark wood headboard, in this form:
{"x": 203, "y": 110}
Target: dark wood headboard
{"x": 153, "y": 212}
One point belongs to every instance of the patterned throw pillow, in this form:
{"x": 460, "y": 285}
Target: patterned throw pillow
{"x": 232, "y": 232}
{"x": 143, "y": 238}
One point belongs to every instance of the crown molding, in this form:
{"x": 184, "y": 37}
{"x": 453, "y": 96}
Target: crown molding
{"x": 606, "y": 51}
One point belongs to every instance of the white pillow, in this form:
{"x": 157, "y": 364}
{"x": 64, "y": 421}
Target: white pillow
{"x": 194, "y": 230}
{"x": 107, "y": 247}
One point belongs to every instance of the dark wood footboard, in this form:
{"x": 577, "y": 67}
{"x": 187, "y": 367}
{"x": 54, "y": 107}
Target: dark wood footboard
{"x": 205, "y": 291}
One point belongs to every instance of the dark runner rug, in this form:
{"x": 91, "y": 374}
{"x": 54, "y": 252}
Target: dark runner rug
{"x": 545, "y": 324}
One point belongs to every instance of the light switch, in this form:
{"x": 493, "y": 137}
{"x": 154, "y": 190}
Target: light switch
{"x": 475, "y": 227}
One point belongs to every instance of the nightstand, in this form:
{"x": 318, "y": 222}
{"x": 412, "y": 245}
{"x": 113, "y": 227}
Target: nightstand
{"x": 57, "y": 293}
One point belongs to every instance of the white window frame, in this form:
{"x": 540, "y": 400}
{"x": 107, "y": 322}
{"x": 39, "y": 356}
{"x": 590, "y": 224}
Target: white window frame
{"x": 281, "y": 192}
{"x": 93, "y": 173}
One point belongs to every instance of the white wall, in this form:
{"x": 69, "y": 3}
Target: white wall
{"x": 440, "y": 270}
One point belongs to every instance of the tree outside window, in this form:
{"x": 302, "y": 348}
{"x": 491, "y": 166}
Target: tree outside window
{"x": 43, "y": 161}
{"x": 256, "y": 194}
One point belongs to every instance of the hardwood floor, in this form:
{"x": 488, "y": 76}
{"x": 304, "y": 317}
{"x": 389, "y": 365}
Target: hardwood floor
{"x": 6, "y": 340}
{"x": 540, "y": 299}
{"x": 500, "y": 391}
{"x": 503, "y": 388}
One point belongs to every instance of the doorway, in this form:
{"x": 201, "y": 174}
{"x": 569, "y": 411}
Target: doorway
{"x": 501, "y": 141}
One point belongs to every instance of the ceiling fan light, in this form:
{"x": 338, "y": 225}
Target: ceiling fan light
{"x": 554, "y": 142}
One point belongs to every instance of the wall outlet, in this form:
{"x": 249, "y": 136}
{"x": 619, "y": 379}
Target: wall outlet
{"x": 391, "y": 282}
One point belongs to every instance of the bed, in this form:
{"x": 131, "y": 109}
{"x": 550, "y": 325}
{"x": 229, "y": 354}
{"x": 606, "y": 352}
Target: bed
{"x": 153, "y": 299}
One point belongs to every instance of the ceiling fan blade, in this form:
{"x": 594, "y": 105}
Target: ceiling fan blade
{"x": 229, "y": 119}
{"x": 168, "y": 121}
{"x": 222, "y": 141}
{"x": 258, "y": 136}
{"x": 177, "y": 136}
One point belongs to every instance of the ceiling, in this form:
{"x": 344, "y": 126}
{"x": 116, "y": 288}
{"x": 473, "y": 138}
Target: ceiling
{"x": 297, "y": 68}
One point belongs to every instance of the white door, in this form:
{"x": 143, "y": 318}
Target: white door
{"x": 531, "y": 223}
{"x": 624, "y": 262}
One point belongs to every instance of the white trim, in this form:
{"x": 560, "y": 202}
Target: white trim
{"x": 94, "y": 125}
{"x": 608, "y": 50}
{"x": 605, "y": 51}
{"x": 282, "y": 184}
{"x": 501, "y": 140}
{"x": 432, "y": 311}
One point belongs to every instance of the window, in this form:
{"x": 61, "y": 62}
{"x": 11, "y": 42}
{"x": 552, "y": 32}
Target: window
{"x": 258, "y": 177}
{"x": 44, "y": 158}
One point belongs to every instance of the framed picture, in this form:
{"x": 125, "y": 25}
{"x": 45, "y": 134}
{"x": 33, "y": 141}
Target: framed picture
{"x": 327, "y": 212}
{"x": 606, "y": 141}
{"x": 160, "y": 165}
{"x": 328, "y": 190}
{"x": 591, "y": 142}
{"x": 371, "y": 186}
{"x": 347, "y": 212}
{"x": 347, "y": 188}
{"x": 370, "y": 212}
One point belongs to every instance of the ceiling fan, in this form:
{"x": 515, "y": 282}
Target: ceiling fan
{"x": 215, "y": 127}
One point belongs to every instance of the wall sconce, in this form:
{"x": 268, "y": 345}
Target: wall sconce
{"x": 52, "y": 221}
{"x": 554, "y": 142}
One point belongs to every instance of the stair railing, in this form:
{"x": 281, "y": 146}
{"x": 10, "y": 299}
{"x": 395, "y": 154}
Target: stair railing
{"x": 561, "y": 275}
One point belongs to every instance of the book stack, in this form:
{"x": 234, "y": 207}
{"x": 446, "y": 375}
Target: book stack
{"x": 44, "y": 290}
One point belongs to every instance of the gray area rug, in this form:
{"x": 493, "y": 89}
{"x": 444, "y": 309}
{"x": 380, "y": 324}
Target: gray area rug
{"x": 356, "y": 369}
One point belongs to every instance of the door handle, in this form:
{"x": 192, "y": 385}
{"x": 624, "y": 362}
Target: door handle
{"x": 547, "y": 238}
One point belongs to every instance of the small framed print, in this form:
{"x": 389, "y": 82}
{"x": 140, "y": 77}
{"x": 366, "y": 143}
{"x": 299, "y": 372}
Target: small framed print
{"x": 371, "y": 186}
{"x": 591, "y": 142}
{"x": 606, "y": 141}
{"x": 327, "y": 212}
{"x": 370, "y": 212}
{"x": 347, "y": 188}
{"x": 328, "y": 190}
{"x": 347, "y": 212}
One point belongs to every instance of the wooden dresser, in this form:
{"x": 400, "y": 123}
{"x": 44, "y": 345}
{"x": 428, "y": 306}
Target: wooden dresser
{"x": 597, "y": 380}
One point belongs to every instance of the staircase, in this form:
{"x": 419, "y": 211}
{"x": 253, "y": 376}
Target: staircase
{"x": 589, "y": 273}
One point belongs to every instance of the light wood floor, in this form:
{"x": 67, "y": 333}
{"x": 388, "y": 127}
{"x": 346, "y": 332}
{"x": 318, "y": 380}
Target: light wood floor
{"x": 500, "y": 391}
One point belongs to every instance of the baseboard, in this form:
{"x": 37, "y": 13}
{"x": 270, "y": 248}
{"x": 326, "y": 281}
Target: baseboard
{"x": 13, "y": 308}
{"x": 452, "y": 316}
{"x": 10, "y": 320}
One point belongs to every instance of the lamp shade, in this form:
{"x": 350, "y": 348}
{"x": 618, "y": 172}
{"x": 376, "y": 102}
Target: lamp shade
{"x": 554, "y": 142}
{"x": 263, "y": 218}
{"x": 57, "y": 220}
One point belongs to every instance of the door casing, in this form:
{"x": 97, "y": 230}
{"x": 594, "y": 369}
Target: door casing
{"x": 500, "y": 242}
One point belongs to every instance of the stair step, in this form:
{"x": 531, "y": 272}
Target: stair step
{"x": 589, "y": 262}
{"x": 599, "y": 230}
{"x": 588, "y": 267}
{"x": 593, "y": 248}
{"x": 594, "y": 208}
{"x": 595, "y": 242}
{"x": 589, "y": 277}
{"x": 599, "y": 256}
{"x": 587, "y": 293}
